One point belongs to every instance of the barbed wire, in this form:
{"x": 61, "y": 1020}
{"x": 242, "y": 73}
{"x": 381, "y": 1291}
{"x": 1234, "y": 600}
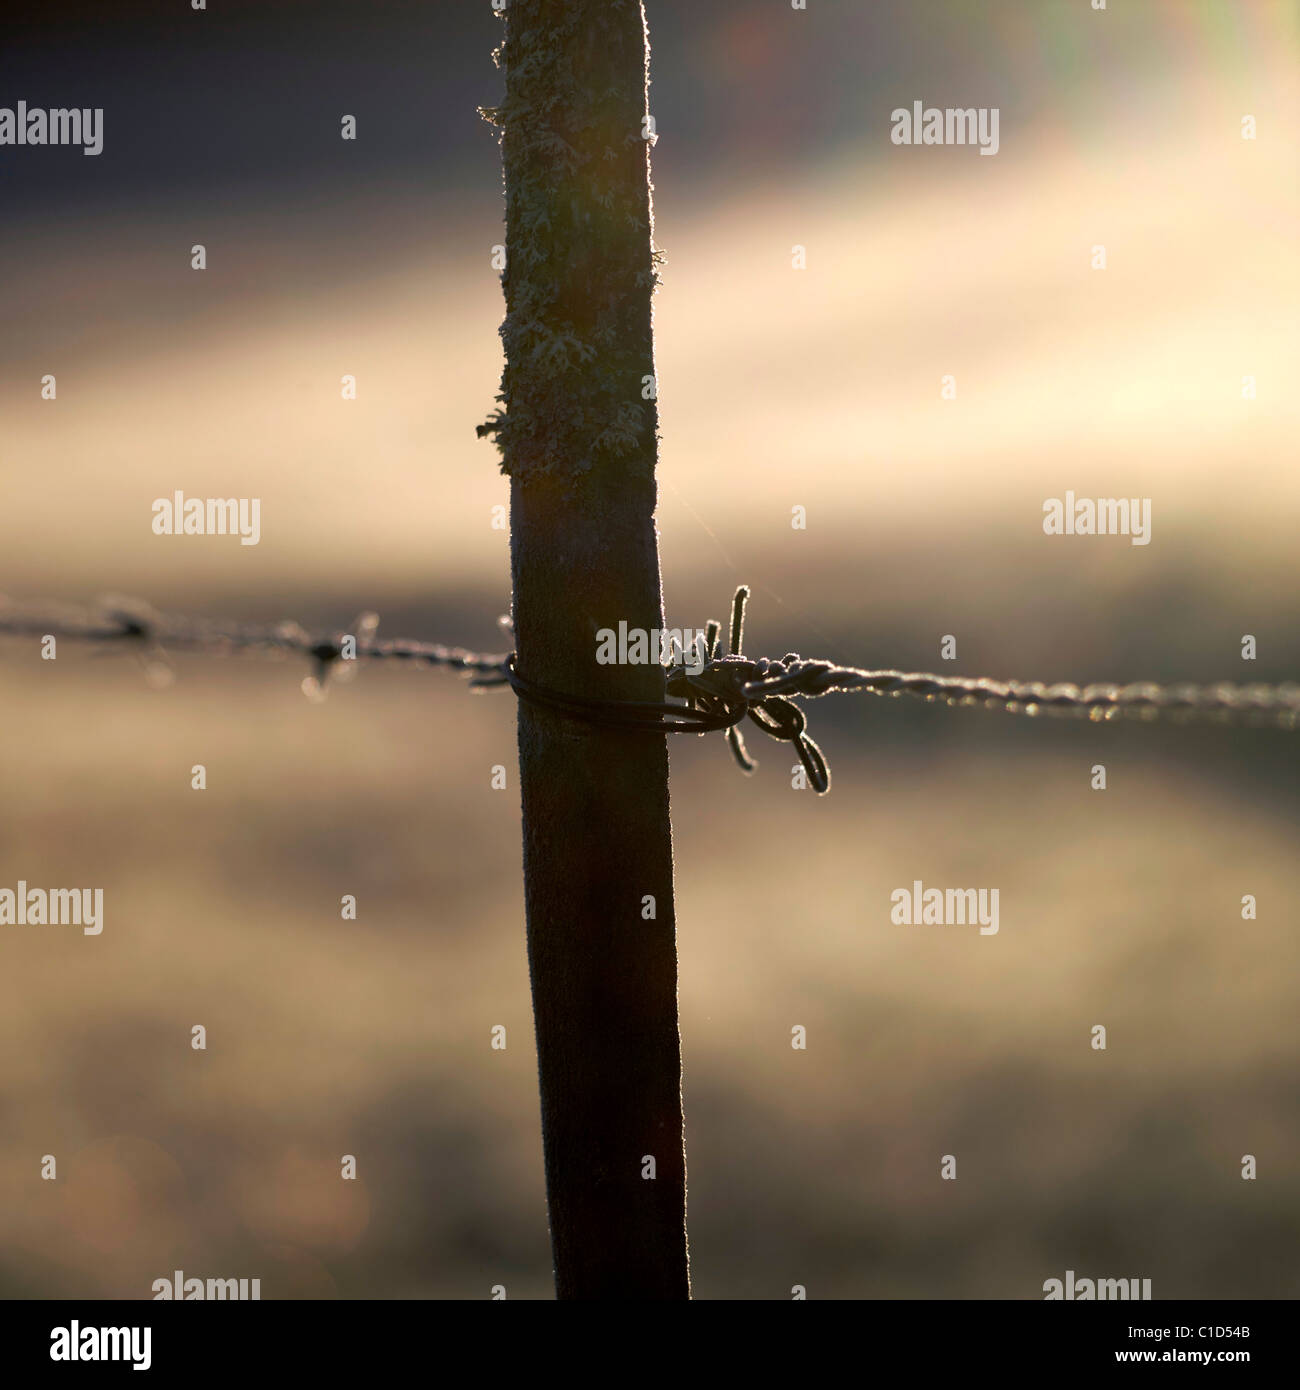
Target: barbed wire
{"x": 718, "y": 689}
{"x": 134, "y": 623}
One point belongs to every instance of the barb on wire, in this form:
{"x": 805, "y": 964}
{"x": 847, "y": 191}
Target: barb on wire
{"x": 718, "y": 693}
{"x": 761, "y": 687}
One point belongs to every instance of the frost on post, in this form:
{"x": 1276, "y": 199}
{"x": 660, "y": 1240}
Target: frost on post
{"x": 577, "y": 178}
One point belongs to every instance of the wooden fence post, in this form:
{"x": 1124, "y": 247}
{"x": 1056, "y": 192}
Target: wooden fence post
{"x": 578, "y": 434}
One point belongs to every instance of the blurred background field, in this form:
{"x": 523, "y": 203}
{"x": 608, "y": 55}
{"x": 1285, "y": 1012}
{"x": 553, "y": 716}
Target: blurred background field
{"x": 778, "y": 388}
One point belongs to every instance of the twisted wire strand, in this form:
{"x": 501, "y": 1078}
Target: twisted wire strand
{"x": 717, "y": 694}
{"x": 793, "y": 675}
{"x": 134, "y": 623}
